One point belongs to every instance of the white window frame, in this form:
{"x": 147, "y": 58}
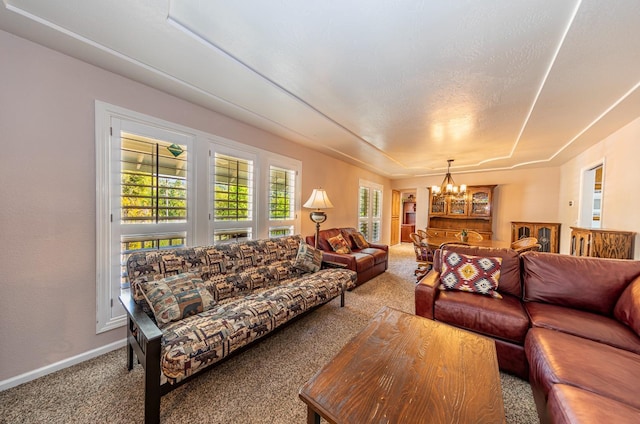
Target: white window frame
{"x": 200, "y": 224}
{"x": 110, "y": 121}
{"x": 370, "y": 219}
{"x": 283, "y": 162}
{"x": 222, "y": 147}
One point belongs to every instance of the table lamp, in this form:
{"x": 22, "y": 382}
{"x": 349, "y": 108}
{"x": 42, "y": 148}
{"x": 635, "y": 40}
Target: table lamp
{"x": 318, "y": 200}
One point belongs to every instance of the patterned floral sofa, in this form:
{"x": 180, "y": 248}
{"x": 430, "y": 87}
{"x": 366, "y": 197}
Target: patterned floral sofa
{"x": 189, "y": 308}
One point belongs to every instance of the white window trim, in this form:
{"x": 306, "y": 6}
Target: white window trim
{"x": 109, "y": 312}
{"x": 370, "y": 218}
{"x": 279, "y": 161}
{"x": 200, "y": 213}
{"x": 230, "y": 148}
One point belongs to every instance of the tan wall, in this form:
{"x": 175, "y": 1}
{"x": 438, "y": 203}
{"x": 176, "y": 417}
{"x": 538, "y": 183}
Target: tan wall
{"x": 520, "y": 195}
{"x": 620, "y": 202}
{"x": 48, "y": 213}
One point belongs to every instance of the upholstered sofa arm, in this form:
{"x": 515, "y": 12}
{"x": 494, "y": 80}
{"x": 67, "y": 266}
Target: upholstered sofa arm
{"x": 425, "y": 294}
{"x": 379, "y": 246}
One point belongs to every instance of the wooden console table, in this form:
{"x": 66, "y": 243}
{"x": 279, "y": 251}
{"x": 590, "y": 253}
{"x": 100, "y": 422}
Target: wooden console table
{"x": 600, "y": 243}
{"x": 402, "y": 368}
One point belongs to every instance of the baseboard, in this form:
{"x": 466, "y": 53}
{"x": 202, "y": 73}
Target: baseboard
{"x": 65, "y": 363}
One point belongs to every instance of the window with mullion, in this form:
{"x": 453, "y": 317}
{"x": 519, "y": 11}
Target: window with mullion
{"x": 283, "y": 197}
{"x": 233, "y": 208}
{"x": 282, "y": 188}
{"x": 153, "y": 184}
{"x": 153, "y": 194}
{"x": 370, "y": 210}
{"x": 233, "y": 188}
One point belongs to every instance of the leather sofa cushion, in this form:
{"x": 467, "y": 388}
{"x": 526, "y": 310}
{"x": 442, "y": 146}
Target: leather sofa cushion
{"x": 364, "y": 261}
{"x": 592, "y": 284}
{"x": 509, "y": 282}
{"x": 503, "y": 318}
{"x": 583, "y": 324}
{"x": 627, "y": 310}
{"x": 556, "y": 357}
{"x": 568, "y": 404}
{"x": 379, "y": 255}
{"x": 324, "y": 236}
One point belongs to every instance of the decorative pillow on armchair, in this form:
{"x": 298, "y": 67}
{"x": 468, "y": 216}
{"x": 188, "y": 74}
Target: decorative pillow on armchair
{"x": 309, "y": 259}
{"x": 475, "y": 274}
{"x": 339, "y": 244}
{"x": 359, "y": 240}
{"x": 176, "y": 297}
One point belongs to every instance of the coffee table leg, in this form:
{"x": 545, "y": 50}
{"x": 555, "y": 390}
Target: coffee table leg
{"x": 312, "y": 416}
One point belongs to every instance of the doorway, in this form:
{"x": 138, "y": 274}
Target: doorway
{"x": 591, "y": 197}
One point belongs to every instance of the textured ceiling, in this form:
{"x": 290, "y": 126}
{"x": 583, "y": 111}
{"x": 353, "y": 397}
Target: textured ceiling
{"x": 396, "y": 87}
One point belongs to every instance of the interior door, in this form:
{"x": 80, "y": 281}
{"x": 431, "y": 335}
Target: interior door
{"x": 395, "y": 217}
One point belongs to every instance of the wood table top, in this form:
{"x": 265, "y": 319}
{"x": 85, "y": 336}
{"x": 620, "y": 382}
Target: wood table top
{"x": 436, "y": 242}
{"x": 402, "y": 368}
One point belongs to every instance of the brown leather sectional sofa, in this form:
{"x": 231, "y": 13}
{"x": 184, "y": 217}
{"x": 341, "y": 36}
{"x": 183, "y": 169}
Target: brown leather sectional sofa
{"x": 367, "y": 262}
{"x": 570, "y": 325}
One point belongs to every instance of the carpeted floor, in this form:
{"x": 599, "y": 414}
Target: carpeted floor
{"x": 258, "y": 386}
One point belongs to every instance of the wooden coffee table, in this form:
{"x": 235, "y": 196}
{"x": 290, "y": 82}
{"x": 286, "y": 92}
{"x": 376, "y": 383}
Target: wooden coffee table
{"x": 403, "y": 368}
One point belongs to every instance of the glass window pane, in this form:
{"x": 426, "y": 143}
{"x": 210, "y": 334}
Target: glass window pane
{"x": 281, "y": 231}
{"x": 281, "y": 193}
{"x": 376, "y": 206}
{"x": 231, "y": 235}
{"x": 364, "y": 202}
{"x": 153, "y": 180}
{"x": 233, "y": 188}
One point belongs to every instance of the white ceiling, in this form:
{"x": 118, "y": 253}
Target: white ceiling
{"x": 397, "y": 87}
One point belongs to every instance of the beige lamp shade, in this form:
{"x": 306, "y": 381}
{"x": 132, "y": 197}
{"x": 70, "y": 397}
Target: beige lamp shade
{"x": 318, "y": 200}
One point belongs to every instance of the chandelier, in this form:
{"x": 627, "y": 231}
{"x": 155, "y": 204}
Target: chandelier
{"x": 448, "y": 186}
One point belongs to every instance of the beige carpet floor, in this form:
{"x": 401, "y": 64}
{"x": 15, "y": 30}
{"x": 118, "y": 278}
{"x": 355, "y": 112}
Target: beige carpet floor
{"x": 258, "y": 386}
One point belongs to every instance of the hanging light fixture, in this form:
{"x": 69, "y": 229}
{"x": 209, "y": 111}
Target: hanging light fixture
{"x": 448, "y": 186}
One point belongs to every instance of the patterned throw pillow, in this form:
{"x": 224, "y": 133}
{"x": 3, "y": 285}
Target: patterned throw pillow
{"x": 308, "y": 259}
{"x": 476, "y": 274}
{"x": 176, "y": 297}
{"x": 339, "y": 244}
{"x": 359, "y": 240}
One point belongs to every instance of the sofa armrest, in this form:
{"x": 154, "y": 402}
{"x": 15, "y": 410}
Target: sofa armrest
{"x": 143, "y": 334}
{"x": 425, "y": 294}
{"x": 379, "y": 246}
{"x": 144, "y": 339}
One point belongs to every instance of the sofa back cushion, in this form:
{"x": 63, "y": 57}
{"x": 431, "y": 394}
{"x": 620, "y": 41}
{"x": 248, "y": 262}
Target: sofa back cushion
{"x": 509, "y": 281}
{"x": 591, "y": 284}
{"x": 324, "y": 236}
{"x": 348, "y": 233}
{"x": 213, "y": 262}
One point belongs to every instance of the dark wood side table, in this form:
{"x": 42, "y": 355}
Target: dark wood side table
{"x": 403, "y": 368}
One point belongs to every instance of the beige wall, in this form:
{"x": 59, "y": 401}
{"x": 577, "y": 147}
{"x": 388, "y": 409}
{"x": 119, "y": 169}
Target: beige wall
{"x": 520, "y": 195}
{"x": 620, "y": 202}
{"x": 48, "y": 213}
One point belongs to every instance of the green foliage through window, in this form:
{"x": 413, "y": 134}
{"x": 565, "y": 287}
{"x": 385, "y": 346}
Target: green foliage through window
{"x": 281, "y": 193}
{"x": 153, "y": 181}
{"x": 233, "y": 188}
